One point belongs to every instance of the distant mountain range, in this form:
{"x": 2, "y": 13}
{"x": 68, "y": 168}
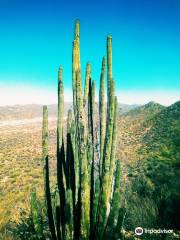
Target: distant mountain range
{"x": 18, "y": 112}
{"x": 29, "y": 111}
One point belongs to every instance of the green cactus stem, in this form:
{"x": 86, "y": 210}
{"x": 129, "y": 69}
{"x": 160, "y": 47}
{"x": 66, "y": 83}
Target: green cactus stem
{"x": 109, "y": 62}
{"x": 60, "y": 106}
{"x": 76, "y": 65}
{"x": 69, "y": 229}
{"x": 113, "y": 147}
{"x": 58, "y": 222}
{"x": 118, "y": 230}
{"x": 92, "y": 152}
{"x": 36, "y": 215}
{"x": 82, "y": 155}
{"x": 60, "y": 151}
{"x": 86, "y": 87}
{"x": 104, "y": 204}
{"x": 102, "y": 114}
{"x": 115, "y": 203}
{"x": 45, "y": 142}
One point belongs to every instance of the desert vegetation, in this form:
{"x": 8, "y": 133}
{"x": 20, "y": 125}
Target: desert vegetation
{"x": 95, "y": 171}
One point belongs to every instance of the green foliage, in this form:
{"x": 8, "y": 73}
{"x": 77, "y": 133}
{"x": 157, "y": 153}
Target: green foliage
{"x": 153, "y": 186}
{"x": 31, "y": 226}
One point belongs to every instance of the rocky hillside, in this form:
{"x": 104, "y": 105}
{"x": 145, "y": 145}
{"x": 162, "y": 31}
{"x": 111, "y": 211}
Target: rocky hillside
{"x": 149, "y": 146}
{"x": 132, "y": 128}
{"x": 164, "y": 128}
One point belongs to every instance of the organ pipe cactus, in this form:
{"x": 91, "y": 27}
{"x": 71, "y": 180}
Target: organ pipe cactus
{"x": 88, "y": 203}
{"x": 102, "y": 113}
{"x": 45, "y": 142}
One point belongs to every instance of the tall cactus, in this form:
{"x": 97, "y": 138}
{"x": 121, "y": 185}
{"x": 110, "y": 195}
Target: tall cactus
{"x": 60, "y": 151}
{"x": 104, "y": 205}
{"x": 87, "y": 206}
{"x": 82, "y": 154}
{"x": 92, "y": 153}
{"x": 113, "y": 146}
{"x": 75, "y": 67}
{"x": 45, "y": 142}
{"x": 102, "y": 113}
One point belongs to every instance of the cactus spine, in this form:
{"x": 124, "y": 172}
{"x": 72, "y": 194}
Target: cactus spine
{"x": 87, "y": 205}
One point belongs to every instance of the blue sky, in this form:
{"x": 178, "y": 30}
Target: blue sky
{"x": 36, "y": 37}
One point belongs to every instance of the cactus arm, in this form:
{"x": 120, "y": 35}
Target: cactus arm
{"x": 49, "y": 205}
{"x": 82, "y": 155}
{"x": 102, "y": 114}
{"x": 114, "y": 212}
{"x": 104, "y": 205}
{"x": 68, "y": 149}
{"x": 45, "y": 142}
{"x": 60, "y": 106}
{"x": 104, "y": 194}
{"x": 86, "y": 87}
{"x": 113, "y": 147}
{"x": 61, "y": 168}
{"x": 109, "y": 62}
{"x": 76, "y": 65}
{"x": 92, "y": 151}
{"x": 69, "y": 228}
{"x": 36, "y": 215}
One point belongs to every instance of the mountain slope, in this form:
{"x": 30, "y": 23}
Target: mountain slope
{"x": 164, "y": 128}
{"x": 132, "y": 128}
{"x": 149, "y": 148}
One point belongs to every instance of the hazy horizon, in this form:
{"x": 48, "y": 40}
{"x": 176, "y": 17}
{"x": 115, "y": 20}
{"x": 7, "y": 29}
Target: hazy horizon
{"x": 28, "y": 96}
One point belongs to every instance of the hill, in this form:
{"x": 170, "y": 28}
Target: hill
{"x": 149, "y": 148}
{"x": 132, "y": 128}
{"x": 164, "y": 128}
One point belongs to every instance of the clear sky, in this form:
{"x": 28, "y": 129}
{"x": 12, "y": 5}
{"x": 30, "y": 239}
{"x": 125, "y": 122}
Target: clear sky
{"x": 36, "y": 37}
